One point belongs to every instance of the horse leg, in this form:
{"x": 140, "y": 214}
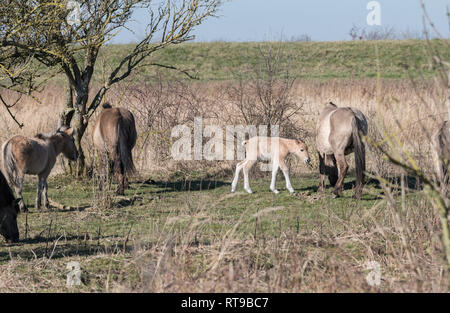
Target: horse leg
{"x": 46, "y": 201}
{"x": 126, "y": 184}
{"x": 101, "y": 170}
{"x": 118, "y": 168}
{"x": 275, "y": 166}
{"x": 18, "y": 189}
{"x": 124, "y": 179}
{"x": 239, "y": 167}
{"x": 248, "y": 165}
{"x": 39, "y": 192}
{"x": 322, "y": 171}
{"x": 333, "y": 173}
{"x": 342, "y": 171}
{"x": 285, "y": 170}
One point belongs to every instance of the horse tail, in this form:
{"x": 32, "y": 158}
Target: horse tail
{"x": 9, "y": 164}
{"x": 126, "y": 133}
{"x": 360, "y": 153}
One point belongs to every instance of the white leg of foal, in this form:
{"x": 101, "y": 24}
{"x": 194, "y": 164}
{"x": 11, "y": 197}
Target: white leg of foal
{"x": 247, "y": 166}
{"x": 274, "y": 178}
{"x": 239, "y": 167}
{"x": 288, "y": 180}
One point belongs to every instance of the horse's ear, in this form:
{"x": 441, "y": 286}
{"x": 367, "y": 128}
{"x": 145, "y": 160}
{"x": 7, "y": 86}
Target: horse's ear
{"x": 69, "y": 131}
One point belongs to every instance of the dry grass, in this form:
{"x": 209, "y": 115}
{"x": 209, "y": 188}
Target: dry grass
{"x": 213, "y": 241}
{"x": 161, "y": 106}
{"x": 308, "y": 244}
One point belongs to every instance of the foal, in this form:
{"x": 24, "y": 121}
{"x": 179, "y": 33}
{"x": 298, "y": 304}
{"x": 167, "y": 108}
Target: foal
{"x": 274, "y": 148}
{"x": 36, "y": 156}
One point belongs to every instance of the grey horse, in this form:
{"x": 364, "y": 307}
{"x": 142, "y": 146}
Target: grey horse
{"x": 339, "y": 133}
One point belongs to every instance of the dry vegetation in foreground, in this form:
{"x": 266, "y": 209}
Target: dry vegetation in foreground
{"x": 179, "y": 229}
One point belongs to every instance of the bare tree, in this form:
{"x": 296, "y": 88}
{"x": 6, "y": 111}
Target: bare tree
{"x": 262, "y": 93}
{"x": 378, "y": 33}
{"x": 40, "y": 29}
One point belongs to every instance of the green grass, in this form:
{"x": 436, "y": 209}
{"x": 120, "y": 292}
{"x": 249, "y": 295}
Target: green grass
{"x": 308, "y": 60}
{"x": 104, "y": 241}
{"x": 221, "y": 61}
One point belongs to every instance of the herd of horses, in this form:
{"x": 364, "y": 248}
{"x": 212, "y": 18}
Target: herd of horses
{"x": 339, "y": 132}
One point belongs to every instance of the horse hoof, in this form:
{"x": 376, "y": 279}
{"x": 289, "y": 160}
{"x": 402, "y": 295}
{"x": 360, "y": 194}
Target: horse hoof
{"x": 275, "y": 191}
{"x": 249, "y": 191}
{"x": 335, "y": 196}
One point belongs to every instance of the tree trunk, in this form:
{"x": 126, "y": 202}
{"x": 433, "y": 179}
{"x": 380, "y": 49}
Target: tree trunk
{"x": 79, "y": 123}
{"x": 66, "y": 119}
{"x": 79, "y": 126}
{"x": 76, "y": 115}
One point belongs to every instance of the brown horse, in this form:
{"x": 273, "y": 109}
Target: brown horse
{"x": 339, "y": 134}
{"x": 440, "y": 142}
{"x": 36, "y": 156}
{"x": 115, "y": 136}
{"x": 9, "y": 209}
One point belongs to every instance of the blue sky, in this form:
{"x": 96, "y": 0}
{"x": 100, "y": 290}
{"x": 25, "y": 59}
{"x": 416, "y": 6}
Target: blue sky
{"x": 322, "y": 20}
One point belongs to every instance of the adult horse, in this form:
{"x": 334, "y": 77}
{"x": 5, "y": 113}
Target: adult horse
{"x": 339, "y": 134}
{"x": 9, "y": 210}
{"x": 440, "y": 142}
{"x": 115, "y": 136}
{"x": 36, "y": 156}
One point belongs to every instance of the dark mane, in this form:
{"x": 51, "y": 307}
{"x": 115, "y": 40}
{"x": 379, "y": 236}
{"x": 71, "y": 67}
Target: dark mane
{"x": 332, "y": 104}
{"x": 40, "y": 136}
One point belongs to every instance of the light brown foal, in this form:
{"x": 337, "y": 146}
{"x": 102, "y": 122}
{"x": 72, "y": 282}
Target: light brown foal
{"x": 275, "y": 149}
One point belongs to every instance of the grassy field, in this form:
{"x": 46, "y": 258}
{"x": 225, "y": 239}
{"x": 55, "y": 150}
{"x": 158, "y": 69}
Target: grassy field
{"x": 165, "y": 236}
{"x": 178, "y": 229}
{"x": 216, "y": 61}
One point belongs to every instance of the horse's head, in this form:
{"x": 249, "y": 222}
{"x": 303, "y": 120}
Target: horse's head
{"x": 68, "y": 147}
{"x": 301, "y": 150}
{"x": 8, "y": 221}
